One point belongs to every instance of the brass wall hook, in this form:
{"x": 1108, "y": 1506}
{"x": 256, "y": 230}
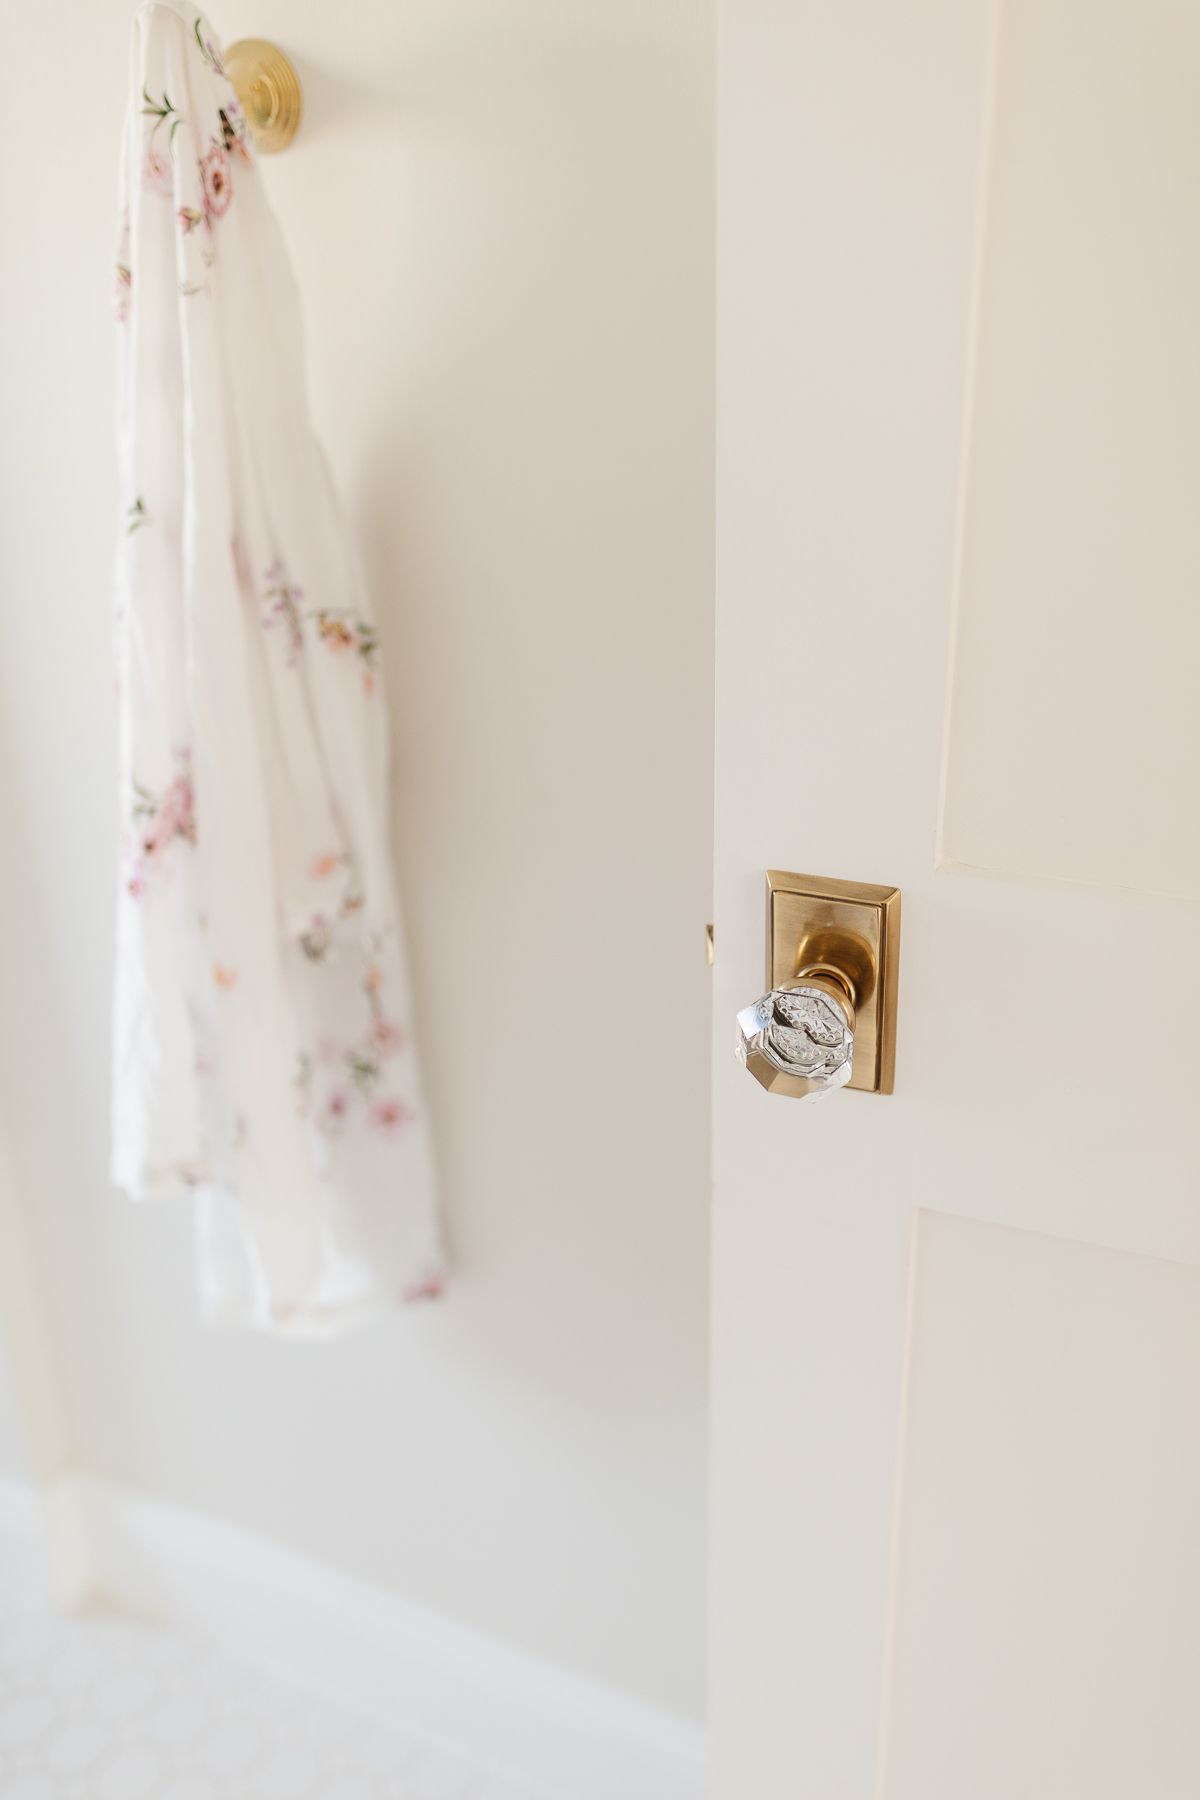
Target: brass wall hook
{"x": 269, "y": 89}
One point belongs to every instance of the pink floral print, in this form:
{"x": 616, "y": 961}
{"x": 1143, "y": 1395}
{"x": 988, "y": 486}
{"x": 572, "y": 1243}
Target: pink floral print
{"x": 281, "y": 608}
{"x": 156, "y": 170}
{"x": 157, "y": 821}
{"x": 207, "y": 47}
{"x": 217, "y": 182}
{"x": 336, "y": 1111}
{"x": 339, "y": 631}
{"x": 386, "y": 1039}
{"x": 157, "y": 175}
{"x": 389, "y": 1116}
{"x": 429, "y": 1287}
{"x": 317, "y": 939}
{"x": 122, "y": 289}
{"x": 353, "y": 1074}
{"x": 227, "y": 142}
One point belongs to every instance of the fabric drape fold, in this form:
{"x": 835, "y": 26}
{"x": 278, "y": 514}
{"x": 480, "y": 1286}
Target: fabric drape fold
{"x": 262, "y": 1057}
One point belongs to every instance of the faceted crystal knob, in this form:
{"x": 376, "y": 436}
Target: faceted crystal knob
{"x": 799, "y": 1038}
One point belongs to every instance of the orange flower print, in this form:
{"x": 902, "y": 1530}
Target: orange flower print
{"x": 341, "y": 632}
{"x": 224, "y": 978}
{"x": 325, "y": 865}
{"x": 336, "y": 633}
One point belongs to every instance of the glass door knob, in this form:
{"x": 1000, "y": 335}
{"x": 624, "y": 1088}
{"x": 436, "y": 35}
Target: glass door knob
{"x": 799, "y": 1038}
{"x": 828, "y": 1016}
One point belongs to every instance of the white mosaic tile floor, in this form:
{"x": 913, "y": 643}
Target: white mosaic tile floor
{"x": 107, "y": 1708}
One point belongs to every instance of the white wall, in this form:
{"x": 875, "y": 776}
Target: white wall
{"x": 12, "y": 1450}
{"x": 500, "y": 213}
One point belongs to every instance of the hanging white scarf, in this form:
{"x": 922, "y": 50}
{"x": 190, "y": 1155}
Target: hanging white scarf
{"x": 261, "y": 1051}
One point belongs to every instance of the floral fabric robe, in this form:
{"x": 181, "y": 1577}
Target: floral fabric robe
{"x": 261, "y": 1054}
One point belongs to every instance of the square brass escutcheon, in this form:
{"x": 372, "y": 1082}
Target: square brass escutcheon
{"x": 815, "y": 919}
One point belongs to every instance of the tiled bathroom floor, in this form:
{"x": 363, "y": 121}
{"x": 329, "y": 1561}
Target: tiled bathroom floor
{"x": 112, "y": 1709}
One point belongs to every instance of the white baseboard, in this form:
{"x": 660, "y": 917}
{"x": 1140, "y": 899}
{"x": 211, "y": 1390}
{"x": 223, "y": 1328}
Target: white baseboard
{"x": 532, "y": 1723}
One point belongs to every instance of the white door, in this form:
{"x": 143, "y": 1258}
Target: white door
{"x": 957, "y": 1329}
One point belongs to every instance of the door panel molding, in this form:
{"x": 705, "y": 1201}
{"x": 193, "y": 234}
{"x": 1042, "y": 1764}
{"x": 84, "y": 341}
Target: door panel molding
{"x": 1072, "y": 691}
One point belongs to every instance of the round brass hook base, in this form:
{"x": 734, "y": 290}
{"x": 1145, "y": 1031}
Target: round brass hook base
{"x": 269, "y": 89}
